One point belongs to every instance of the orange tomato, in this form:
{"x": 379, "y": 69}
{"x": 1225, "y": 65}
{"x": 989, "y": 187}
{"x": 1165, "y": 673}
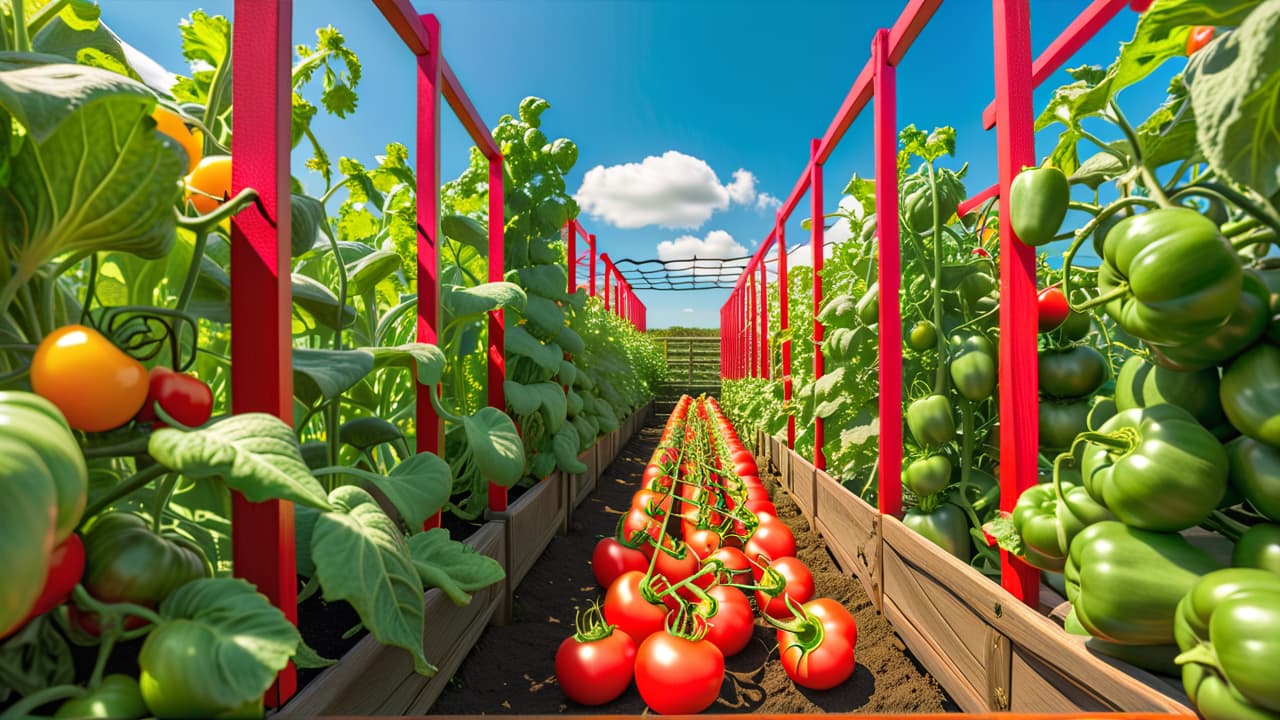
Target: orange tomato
{"x": 210, "y": 179}
{"x": 171, "y": 123}
{"x": 95, "y": 384}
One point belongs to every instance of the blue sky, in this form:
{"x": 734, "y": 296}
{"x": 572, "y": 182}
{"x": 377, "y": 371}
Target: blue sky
{"x": 704, "y": 88}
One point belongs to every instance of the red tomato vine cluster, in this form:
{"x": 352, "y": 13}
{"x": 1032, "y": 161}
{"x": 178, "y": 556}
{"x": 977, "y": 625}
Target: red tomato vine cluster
{"x": 696, "y": 560}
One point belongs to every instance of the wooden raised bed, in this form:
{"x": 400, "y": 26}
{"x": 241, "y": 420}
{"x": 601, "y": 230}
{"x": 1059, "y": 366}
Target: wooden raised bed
{"x": 377, "y": 679}
{"x": 990, "y": 652}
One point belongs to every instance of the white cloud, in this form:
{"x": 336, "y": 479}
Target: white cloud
{"x": 765, "y": 201}
{"x": 717, "y": 244}
{"x": 688, "y": 310}
{"x": 672, "y": 190}
{"x": 800, "y": 248}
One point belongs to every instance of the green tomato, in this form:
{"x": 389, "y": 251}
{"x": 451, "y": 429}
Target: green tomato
{"x": 947, "y": 527}
{"x": 172, "y": 662}
{"x": 923, "y": 336}
{"x": 1076, "y": 327}
{"x": 1271, "y": 279}
{"x": 1174, "y": 277}
{"x": 1036, "y": 518}
{"x": 126, "y": 562}
{"x": 928, "y": 475}
{"x": 1259, "y": 548}
{"x": 1075, "y": 372}
{"x": 1250, "y": 393}
{"x": 1244, "y": 326}
{"x": 1156, "y": 468}
{"x": 1125, "y": 583}
{"x": 1228, "y": 627}
{"x": 975, "y": 287}
{"x": 1061, "y": 422}
{"x": 1255, "y": 473}
{"x": 1101, "y": 230}
{"x": 1038, "y": 200}
{"x": 117, "y": 698}
{"x": 1142, "y": 384}
{"x": 868, "y": 307}
{"x": 973, "y": 368}
{"x": 917, "y": 198}
{"x": 28, "y": 523}
{"x": 931, "y": 421}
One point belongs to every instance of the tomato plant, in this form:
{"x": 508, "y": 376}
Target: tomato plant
{"x": 95, "y": 385}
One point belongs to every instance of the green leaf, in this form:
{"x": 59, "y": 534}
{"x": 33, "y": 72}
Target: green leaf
{"x": 369, "y": 432}
{"x": 1097, "y": 169}
{"x": 319, "y": 301}
{"x": 364, "y": 274}
{"x": 418, "y": 487}
{"x": 308, "y": 659}
{"x": 1006, "y": 535}
{"x": 426, "y": 361}
{"x": 304, "y": 527}
{"x": 76, "y": 31}
{"x": 568, "y": 374}
{"x": 549, "y": 281}
{"x": 520, "y": 398}
{"x": 565, "y": 446}
{"x": 460, "y": 302}
{"x": 496, "y": 445}
{"x": 307, "y": 223}
{"x": 243, "y": 642}
{"x": 362, "y": 557}
{"x": 467, "y": 231}
{"x": 544, "y": 463}
{"x": 829, "y": 382}
{"x": 1235, "y": 83}
{"x": 456, "y": 568}
{"x": 551, "y": 398}
{"x": 520, "y": 342}
{"x": 327, "y": 374}
{"x": 571, "y": 341}
{"x": 254, "y": 453}
{"x": 544, "y": 318}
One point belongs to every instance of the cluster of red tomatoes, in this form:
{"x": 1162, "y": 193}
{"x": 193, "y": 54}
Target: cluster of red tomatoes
{"x": 676, "y": 607}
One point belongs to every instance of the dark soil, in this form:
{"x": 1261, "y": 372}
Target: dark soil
{"x": 512, "y": 668}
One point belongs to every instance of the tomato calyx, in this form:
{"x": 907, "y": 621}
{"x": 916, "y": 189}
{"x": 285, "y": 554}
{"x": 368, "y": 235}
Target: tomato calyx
{"x": 590, "y": 625}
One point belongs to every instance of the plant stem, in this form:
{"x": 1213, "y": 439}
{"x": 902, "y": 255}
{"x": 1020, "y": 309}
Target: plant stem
{"x": 161, "y": 499}
{"x": 940, "y": 379}
{"x": 193, "y": 271}
{"x": 1148, "y": 174}
{"x": 139, "y": 480}
{"x": 29, "y": 704}
{"x": 21, "y": 40}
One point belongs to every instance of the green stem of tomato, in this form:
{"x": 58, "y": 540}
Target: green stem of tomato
{"x": 1231, "y": 529}
{"x": 27, "y": 706}
{"x": 193, "y": 270}
{"x": 21, "y": 40}
{"x": 223, "y": 212}
{"x": 161, "y": 499}
{"x": 940, "y": 379}
{"x": 1153, "y": 184}
{"x": 1104, "y": 146}
{"x": 137, "y": 481}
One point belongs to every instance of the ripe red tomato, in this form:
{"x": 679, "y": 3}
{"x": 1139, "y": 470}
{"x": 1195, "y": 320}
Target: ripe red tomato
{"x": 638, "y": 523}
{"x": 677, "y": 676}
{"x": 762, "y": 507}
{"x": 981, "y": 252}
{"x": 1053, "y": 308}
{"x": 819, "y": 668}
{"x": 652, "y": 503}
{"x": 758, "y": 493}
{"x": 185, "y": 397}
{"x": 799, "y": 588}
{"x": 677, "y": 563}
{"x": 835, "y": 618}
{"x": 732, "y": 624}
{"x": 66, "y": 567}
{"x": 595, "y": 671}
{"x": 771, "y": 540}
{"x": 702, "y": 541}
{"x": 626, "y": 606}
{"x": 1199, "y": 36}
{"x": 611, "y": 559}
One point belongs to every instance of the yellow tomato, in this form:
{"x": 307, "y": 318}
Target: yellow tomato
{"x": 210, "y": 179}
{"x": 172, "y": 124}
{"x": 95, "y": 384}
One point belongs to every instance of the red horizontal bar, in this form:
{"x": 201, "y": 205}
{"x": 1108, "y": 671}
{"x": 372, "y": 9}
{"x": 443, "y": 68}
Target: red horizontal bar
{"x": 858, "y": 97}
{"x": 977, "y": 200}
{"x": 404, "y": 20}
{"x": 1080, "y": 31}
{"x": 910, "y": 23}
{"x": 466, "y": 112}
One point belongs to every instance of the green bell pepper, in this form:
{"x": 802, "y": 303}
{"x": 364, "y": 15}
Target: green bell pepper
{"x": 1245, "y": 325}
{"x": 1142, "y": 383}
{"x": 1258, "y": 547}
{"x": 1255, "y": 473}
{"x": 1250, "y": 393}
{"x": 1038, "y": 201}
{"x": 1168, "y": 276}
{"x": 1156, "y": 468}
{"x": 1125, "y": 583}
{"x": 1048, "y": 516}
{"x": 931, "y": 421}
{"x": 1228, "y": 627}
{"x": 868, "y": 306}
{"x": 1156, "y": 658}
{"x": 973, "y": 368}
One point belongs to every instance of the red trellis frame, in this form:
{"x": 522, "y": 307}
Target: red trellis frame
{"x": 261, "y": 352}
{"x": 744, "y": 330}
{"x": 623, "y": 301}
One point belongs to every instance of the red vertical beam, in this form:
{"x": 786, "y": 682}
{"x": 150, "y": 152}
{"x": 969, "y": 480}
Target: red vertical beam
{"x": 497, "y": 329}
{"x": 752, "y": 324}
{"x": 1019, "y": 377}
{"x": 571, "y": 257}
{"x": 262, "y": 534}
{"x": 784, "y": 323}
{"x": 430, "y": 428}
{"x": 815, "y": 198}
{"x": 591, "y": 243}
{"x": 765, "y": 357}
{"x": 604, "y": 258}
{"x": 890, "y": 276}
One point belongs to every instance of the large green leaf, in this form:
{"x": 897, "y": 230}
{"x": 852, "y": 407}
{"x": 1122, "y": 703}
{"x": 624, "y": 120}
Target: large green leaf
{"x": 319, "y": 301}
{"x": 364, "y": 274}
{"x": 520, "y": 398}
{"x": 307, "y": 224}
{"x": 254, "y": 453}
{"x": 426, "y": 361}
{"x": 369, "y": 432}
{"x": 554, "y": 405}
{"x": 418, "y": 487}
{"x": 326, "y": 374}
{"x": 496, "y": 446}
{"x": 362, "y": 557}
{"x": 460, "y": 302}
{"x": 544, "y": 317}
{"x": 571, "y": 341}
{"x": 549, "y": 281}
{"x": 520, "y": 342}
{"x": 91, "y": 173}
{"x": 221, "y": 641}
{"x": 454, "y": 567}
{"x": 1235, "y": 90}
{"x": 565, "y": 446}
{"x": 467, "y": 231}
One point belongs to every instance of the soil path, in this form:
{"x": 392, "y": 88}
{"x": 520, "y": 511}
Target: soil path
{"x": 512, "y": 668}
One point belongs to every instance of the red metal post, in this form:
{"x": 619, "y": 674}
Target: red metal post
{"x": 784, "y": 323}
{"x": 753, "y": 324}
{"x": 591, "y": 242}
{"x": 890, "y": 276}
{"x": 497, "y": 330}
{"x": 430, "y": 428}
{"x": 1019, "y": 379}
{"x": 262, "y": 534}
{"x": 604, "y": 258}
{"x": 815, "y": 199}
{"x": 766, "y": 359}
{"x": 571, "y": 257}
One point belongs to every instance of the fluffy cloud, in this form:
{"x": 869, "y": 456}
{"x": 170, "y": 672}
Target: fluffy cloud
{"x": 688, "y": 310}
{"x": 799, "y": 247}
{"x": 765, "y": 201}
{"x": 671, "y": 190}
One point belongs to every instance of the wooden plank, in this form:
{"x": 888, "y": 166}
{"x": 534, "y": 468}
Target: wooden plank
{"x": 999, "y": 664}
{"x": 802, "y": 485}
{"x": 851, "y": 528}
{"x": 373, "y": 678}
{"x": 937, "y": 663}
{"x": 530, "y": 524}
{"x": 1044, "y": 689}
{"x": 585, "y": 483}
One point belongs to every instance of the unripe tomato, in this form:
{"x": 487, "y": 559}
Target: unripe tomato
{"x": 171, "y": 123}
{"x": 212, "y": 179}
{"x": 95, "y": 385}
